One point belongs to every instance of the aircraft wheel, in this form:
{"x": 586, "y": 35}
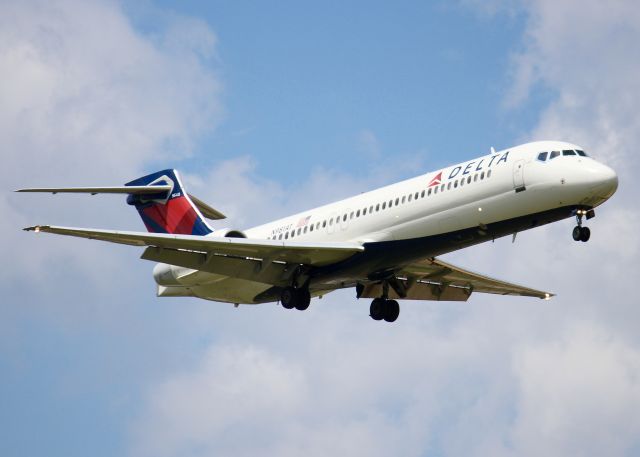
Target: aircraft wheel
{"x": 585, "y": 234}
{"x": 288, "y": 298}
{"x": 391, "y": 310}
{"x": 376, "y": 310}
{"x": 577, "y": 233}
{"x": 303, "y": 299}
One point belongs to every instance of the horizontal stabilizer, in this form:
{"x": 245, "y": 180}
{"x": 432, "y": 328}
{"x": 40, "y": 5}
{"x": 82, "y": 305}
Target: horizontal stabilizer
{"x": 206, "y": 210}
{"x": 134, "y": 190}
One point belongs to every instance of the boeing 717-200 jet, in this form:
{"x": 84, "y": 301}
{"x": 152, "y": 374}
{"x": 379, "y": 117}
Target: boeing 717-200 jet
{"x": 383, "y": 243}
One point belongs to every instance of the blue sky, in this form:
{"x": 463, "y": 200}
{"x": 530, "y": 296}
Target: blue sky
{"x": 301, "y": 81}
{"x": 270, "y": 109}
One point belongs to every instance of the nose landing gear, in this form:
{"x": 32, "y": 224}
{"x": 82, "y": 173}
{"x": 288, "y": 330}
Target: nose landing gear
{"x": 581, "y": 233}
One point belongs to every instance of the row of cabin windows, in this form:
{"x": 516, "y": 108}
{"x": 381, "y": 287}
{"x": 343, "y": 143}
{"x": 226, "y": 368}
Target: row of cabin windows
{"x": 544, "y": 156}
{"x": 384, "y": 205}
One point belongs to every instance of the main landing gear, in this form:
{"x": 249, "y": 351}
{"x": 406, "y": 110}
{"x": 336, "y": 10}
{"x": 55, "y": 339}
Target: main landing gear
{"x": 298, "y": 298}
{"x": 382, "y": 308}
{"x": 581, "y": 233}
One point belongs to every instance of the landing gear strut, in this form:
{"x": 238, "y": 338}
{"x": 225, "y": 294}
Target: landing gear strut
{"x": 581, "y": 233}
{"x": 382, "y": 308}
{"x": 299, "y": 298}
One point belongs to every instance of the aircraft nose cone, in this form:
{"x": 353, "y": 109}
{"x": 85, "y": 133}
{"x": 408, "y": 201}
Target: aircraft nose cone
{"x": 606, "y": 182}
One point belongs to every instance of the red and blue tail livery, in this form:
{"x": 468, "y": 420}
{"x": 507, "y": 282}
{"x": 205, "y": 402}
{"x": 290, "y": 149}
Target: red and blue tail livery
{"x": 171, "y": 212}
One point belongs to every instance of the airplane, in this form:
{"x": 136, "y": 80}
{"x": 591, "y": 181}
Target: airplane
{"x": 383, "y": 243}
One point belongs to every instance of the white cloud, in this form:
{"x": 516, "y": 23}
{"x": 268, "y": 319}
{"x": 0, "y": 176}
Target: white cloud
{"x": 495, "y": 376}
{"x": 576, "y": 391}
{"x": 88, "y": 100}
{"x": 369, "y": 144}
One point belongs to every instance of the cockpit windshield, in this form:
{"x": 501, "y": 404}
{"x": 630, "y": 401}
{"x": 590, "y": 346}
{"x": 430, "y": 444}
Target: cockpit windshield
{"x": 546, "y": 156}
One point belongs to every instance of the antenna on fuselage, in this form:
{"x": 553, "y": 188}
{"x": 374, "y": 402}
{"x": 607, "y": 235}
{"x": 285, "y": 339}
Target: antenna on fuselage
{"x": 493, "y": 151}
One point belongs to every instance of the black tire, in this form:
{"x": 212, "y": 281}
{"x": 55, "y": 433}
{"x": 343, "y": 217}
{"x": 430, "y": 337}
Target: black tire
{"x": 577, "y": 233}
{"x": 376, "y": 310}
{"x": 288, "y": 297}
{"x": 391, "y": 310}
{"x": 585, "y": 234}
{"x": 303, "y": 299}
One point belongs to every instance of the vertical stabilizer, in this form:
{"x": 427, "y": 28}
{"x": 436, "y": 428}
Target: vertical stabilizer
{"x": 171, "y": 212}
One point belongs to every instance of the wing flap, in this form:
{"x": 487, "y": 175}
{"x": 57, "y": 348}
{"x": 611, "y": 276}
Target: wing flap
{"x": 419, "y": 291}
{"x": 436, "y": 272}
{"x": 316, "y": 254}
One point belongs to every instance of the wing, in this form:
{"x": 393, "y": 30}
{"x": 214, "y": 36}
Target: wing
{"x": 315, "y": 254}
{"x": 433, "y": 279}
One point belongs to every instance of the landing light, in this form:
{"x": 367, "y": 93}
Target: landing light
{"x": 547, "y": 296}
{"x": 37, "y": 229}
{"x": 479, "y": 209}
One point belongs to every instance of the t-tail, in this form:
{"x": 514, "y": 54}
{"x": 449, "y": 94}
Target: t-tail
{"x": 161, "y": 201}
{"x": 172, "y": 211}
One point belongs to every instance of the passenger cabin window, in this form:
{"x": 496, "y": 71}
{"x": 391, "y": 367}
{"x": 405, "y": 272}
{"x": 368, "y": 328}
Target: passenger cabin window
{"x": 489, "y": 174}
{"x": 568, "y": 152}
{"x": 543, "y": 156}
{"x": 554, "y": 154}
{"x": 422, "y": 194}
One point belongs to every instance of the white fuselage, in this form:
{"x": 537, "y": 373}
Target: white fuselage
{"x": 498, "y": 187}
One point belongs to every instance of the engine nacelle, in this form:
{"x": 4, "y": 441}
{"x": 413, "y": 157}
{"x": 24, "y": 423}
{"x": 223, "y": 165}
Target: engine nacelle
{"x": 227, "y": 233}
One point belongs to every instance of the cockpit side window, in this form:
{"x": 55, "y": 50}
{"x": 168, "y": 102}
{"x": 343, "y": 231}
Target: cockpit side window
{"x": 581, "y": 153}
{"x": 554, "y": 154}
{"x": 542, "y": 156}
{"x": 568, "y": 152}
